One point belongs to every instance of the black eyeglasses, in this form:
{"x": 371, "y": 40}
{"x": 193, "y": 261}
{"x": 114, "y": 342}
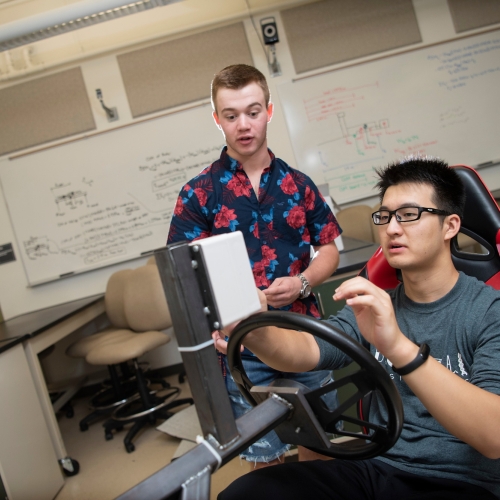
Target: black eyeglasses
{"x": 404, "y": 214}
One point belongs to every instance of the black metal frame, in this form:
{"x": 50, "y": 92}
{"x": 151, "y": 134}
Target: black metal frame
{"x": 185, "y": 284}
{"x": 188, "y": 293}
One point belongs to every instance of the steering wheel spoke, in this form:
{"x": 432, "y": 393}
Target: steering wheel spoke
{"x": 310, "y": 419}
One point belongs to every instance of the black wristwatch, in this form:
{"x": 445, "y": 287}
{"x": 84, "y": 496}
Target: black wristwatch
{"x": 420, "y": 359}
{"x": 306, "y": 289}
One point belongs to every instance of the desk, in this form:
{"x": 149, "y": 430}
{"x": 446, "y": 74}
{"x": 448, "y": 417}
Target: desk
{"x": 23, "y": 390}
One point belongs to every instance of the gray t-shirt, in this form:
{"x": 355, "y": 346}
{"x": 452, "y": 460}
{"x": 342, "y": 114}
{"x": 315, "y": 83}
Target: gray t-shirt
{"x": 462, "y": 330}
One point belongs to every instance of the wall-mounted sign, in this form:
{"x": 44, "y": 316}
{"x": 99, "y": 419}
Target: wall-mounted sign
{"x": 6, "y": 253}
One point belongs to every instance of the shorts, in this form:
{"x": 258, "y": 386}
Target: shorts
{"x": 269, "y": 447}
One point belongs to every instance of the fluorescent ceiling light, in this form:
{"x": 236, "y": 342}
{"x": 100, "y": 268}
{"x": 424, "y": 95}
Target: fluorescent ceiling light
{"x": 69, "y": 18}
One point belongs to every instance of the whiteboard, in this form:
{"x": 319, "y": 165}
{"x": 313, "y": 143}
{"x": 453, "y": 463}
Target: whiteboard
{"x": 106, "y": 198}
{"x": 442, "y": 100}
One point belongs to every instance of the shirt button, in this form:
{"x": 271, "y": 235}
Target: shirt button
{"x": 265, "y": 242}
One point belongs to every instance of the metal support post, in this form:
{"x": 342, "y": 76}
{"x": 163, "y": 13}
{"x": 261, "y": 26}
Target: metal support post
{"x": 178, "y": 271}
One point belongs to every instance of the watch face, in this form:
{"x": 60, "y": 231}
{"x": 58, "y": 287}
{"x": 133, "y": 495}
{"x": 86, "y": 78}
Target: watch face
{"x": 307, "y": 291}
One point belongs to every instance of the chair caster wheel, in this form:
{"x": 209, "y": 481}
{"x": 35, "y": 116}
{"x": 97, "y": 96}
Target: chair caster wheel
{"x": 129, "y": 447}
{"x": 70, "y": 413}
{"x": 108, "y": 436}
{"x": 75, "y": 471}
{"x": 84, "y": 427}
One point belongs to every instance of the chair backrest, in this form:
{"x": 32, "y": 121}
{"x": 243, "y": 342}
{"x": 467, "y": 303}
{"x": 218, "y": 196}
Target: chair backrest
{"x": 481, "y": 222}
{"x": 356, "y": 222}
{"x": 113, "y": 298}
{"x": 144, "y": 300}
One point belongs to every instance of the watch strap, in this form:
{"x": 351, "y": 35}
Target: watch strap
{"x": 420, "y": 359}
{"x": 305, "y": 284}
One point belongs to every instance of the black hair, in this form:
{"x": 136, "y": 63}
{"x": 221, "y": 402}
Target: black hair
{"x": 449, "y": 191}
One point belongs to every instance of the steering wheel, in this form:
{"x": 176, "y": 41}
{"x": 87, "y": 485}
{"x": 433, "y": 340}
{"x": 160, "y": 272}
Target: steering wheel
{"x": 376, "y": 438}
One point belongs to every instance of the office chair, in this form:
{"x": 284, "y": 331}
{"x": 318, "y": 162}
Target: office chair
{"x": 119, "y": 388}
{"x": 481, "y": 222}
{"x": 356, "y": 222}
{"x": 147, "y": 315}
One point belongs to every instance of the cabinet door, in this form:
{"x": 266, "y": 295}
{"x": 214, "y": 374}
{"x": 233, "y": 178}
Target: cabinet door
{"x": 27, "y": 458}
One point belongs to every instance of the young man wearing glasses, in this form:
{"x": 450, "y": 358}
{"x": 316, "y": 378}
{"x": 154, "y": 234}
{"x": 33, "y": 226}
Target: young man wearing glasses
{"x": 437, "y": 335}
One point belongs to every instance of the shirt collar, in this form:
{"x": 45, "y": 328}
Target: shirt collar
{"x": 232, "y": 165}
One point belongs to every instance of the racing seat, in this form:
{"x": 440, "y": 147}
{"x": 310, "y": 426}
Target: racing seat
{"x": 481, "y": 222}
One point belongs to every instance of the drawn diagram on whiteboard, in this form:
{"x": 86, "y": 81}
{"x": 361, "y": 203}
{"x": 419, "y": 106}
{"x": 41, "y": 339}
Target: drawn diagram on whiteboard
{"x": 364, "y": 137}
{"x": 358, "y": 149}
{"x": 98, "y": 218}
{"x": 341, "y": 137}
{"x": 37, "y": 247}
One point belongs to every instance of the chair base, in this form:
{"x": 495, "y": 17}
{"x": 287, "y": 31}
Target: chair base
{"x": 102, "y": 404}
{"x": 140, "y": 415}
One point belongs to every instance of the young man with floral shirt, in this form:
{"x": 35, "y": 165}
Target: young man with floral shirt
{"x": 280, "y": 212}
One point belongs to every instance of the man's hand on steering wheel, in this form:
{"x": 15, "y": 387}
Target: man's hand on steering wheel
{"x": 219, "y": 336}
{"x": 376, "y": 319}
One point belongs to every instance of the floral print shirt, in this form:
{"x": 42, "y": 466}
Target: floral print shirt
{"x": 279, "y": 227}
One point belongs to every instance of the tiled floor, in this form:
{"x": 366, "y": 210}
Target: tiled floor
{"x": 107, "y": 470}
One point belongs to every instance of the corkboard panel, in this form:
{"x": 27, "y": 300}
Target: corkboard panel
{"x": 333, "y": 31}
{"x": 471, "y": 14}
{"x": 180, "y": 71}
{"x": 43, "y": 110}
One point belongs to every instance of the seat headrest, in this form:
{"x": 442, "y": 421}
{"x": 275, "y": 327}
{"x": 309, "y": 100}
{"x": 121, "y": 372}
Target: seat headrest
{"x": 481, "y": 222}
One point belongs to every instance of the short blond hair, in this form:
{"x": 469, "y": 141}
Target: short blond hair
{"x": 236, "y": 77}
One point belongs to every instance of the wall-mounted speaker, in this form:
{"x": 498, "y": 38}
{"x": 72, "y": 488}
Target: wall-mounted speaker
{"x": 269, "y": 30}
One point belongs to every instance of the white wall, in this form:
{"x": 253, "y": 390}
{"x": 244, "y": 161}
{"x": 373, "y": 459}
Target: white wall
{"x": 101, "y": 71}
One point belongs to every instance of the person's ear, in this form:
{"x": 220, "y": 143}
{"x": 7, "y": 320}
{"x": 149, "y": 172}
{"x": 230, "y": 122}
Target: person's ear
{"x": 216, "y": 119}
{"x": 451, "y": 226}
{"x": 270, "y": 111}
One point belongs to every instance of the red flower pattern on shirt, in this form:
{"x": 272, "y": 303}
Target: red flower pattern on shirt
{"x": 204, "y": 234}
{"x": 201, "y": 195}
{"x": 310, "y": 198}
{"x": 238, "y": 186}
{"x": 268, "y": 254}
{"x": 327, "y": 233}
{"x": 288, "y": 185}
{"x": 298, "y": 307}
{"x": 259, "y": 275}
{"x": 179, "y": 206}
{"x": 314, "y": 311}
{"x": 296, "y": 217}
{"x": 295, "y": 267}
{"x": 224, "y": 217}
